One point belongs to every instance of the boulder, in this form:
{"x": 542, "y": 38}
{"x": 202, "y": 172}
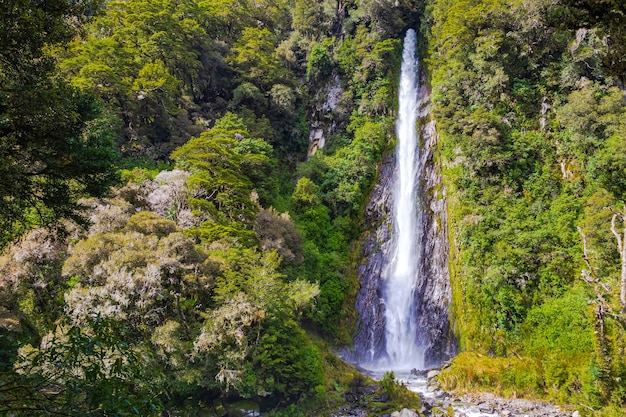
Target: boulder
{"x": 432, "y": 374}
{"x": 408, "y": 413}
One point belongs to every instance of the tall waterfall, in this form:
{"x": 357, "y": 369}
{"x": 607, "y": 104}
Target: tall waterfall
{"x": 405, "y": 291}
{"x": 399, "y": 296}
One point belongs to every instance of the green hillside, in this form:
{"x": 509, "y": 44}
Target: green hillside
{"x": 183, "y": 185}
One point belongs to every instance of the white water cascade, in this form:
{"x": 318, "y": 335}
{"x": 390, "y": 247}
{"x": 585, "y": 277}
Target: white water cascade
{"x": 403, "y": 353}
{"x": 405, "y": 293}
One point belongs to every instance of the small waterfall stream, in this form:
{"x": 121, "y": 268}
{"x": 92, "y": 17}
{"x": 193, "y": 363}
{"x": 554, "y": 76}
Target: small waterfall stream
{"x": 401, "y": 275}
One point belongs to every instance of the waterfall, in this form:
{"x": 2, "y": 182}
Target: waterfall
{"x": 405, "y": 290}
{"x": 401, "y": 327}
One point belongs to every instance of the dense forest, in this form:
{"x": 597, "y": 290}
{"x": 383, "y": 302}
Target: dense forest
{"x": 183, "y": 184}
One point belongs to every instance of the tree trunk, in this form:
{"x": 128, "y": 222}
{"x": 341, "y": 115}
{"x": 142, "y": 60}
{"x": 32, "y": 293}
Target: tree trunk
{"x": 621, "y": 247}
{"x": 622, "y": 294}
{"x": 603, "y": 355}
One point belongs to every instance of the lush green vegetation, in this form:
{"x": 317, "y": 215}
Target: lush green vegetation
{"x": 529, "y": 103}
{"x": 165, "y": 241}
{"x": 54, "y": 139}
{"x": 169, "y": 247}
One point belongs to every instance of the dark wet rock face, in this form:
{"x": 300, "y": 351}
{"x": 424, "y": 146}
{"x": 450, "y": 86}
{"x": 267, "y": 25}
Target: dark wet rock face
{"x": 433, "y": 291}
{"x": 369, "y": 339}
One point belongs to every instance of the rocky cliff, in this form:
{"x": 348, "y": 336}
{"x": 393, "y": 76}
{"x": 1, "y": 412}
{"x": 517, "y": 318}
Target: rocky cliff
{"x": 433, "y": 290}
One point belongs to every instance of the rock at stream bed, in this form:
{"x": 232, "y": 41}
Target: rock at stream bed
{"x": 491, "y": 404}
{"x": 432, "y": 374}
{"x": 405, "y": 413}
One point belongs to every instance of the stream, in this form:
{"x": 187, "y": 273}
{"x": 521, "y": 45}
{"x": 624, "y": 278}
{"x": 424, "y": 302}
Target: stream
{"x": 441, "y": 399}
{"x": 437, "y": 402}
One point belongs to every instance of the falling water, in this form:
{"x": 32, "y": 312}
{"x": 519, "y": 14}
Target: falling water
{"x": 405, "y": 291}
{"x": 400, "y": 322}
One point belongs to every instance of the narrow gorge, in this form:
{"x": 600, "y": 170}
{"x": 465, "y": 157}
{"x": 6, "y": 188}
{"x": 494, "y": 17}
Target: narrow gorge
{"x": 405, "y": 292}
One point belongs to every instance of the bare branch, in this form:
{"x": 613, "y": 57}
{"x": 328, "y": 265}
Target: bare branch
{"x": 588, "y": 275}
{"x": 618, "y": 237}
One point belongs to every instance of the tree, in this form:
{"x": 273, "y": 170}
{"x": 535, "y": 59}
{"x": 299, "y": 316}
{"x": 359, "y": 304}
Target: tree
{"x": 254, "y": 57}
{"x": 88, "y": 370}
{"x": 278, "y": 232}
{"x": 609, "y": 16}
{"x": 152, "y": 62}
{"x": 31, "y": 283}
{"x": 320, "y": 63}
{"x": 353, "y": 167}
{"x": 222, "y": 162}
{"x": 141, "y": 275}
{"x": 253, "y": 323}
{"x": 54, "y": 146}
{"x": 607, "y": 319}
